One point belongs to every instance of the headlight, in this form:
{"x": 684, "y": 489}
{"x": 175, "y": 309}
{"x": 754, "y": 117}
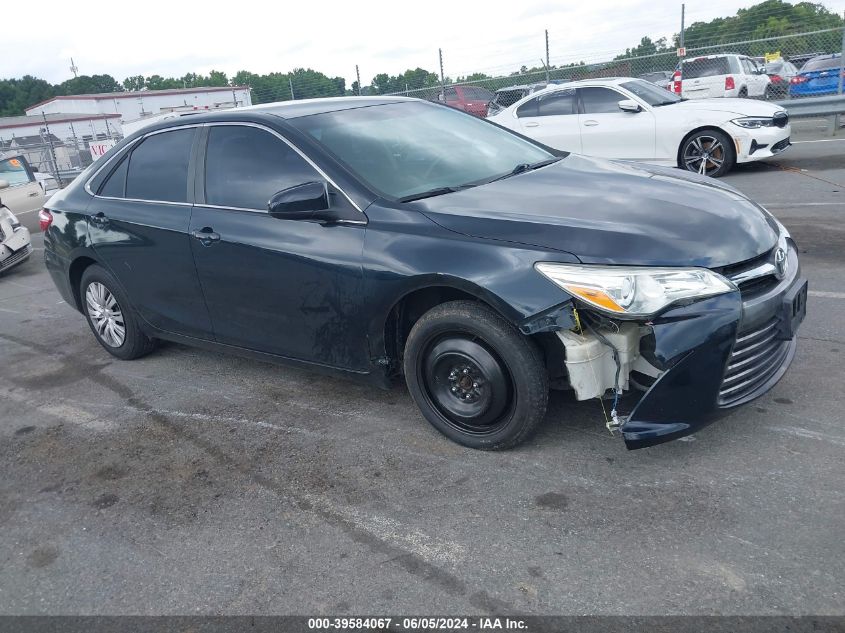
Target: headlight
{"x": 630, "y": 291}
{"x": 754, "y": 122}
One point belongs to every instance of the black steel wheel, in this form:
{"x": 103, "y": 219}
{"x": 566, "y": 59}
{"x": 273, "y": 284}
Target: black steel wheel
{"x": 708, "y": 152}
{"x": 474, "y": 377}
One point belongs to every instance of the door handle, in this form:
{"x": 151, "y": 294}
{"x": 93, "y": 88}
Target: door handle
{"x": 206, "y": 236}
{"x": 532, "y": 124}
{"x": 591, "y": 123}
{"x": 99, "y": 220}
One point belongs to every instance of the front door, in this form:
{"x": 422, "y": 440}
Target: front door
{"x": 138, "y": 223}
{"x": 286, "y": 287}
{"x": 608, "y": 132}
{"x": 19, "y": 191}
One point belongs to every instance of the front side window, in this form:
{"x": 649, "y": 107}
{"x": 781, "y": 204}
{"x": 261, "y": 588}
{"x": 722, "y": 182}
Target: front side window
{"x": 600, "y": 100}
{"x": 245, "y": 166}
{"x": 158, "y": 167}
{"x": 13, "y": 171}
{"x": 405, "y": 149}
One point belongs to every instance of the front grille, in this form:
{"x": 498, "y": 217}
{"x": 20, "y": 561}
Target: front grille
{"x": 753, "y": 286}
{"x": 780, "y": 146}
{"x": 756, "y": 357}
{"x": 16, "y": 257}
{"x": 757, "y": 286}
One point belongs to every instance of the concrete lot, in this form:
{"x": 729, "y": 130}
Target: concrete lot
{"x": 189, "y": 482}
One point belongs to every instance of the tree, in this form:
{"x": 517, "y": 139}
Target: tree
{"x": 18, "y": 94}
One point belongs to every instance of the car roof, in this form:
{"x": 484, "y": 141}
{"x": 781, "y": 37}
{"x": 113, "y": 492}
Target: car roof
{"x": 306, "y": 107}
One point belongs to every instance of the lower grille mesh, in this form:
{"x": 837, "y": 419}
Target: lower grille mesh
{"x": 756, "y": 357}
{"x": 16, "y": 257}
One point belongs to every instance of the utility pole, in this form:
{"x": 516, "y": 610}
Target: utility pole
{"x": 442, "y": 78}
{"x": 290, "y": 83}
{"x": 52, "y": 152}
{"x": 358, "y": 76}
{"x": 681, "y": 38}
{"x": 842, "y": 61}
{"x": 547, "y": 55}
{"x": 234, "y": 99}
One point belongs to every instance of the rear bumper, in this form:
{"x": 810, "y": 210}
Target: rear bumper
{"x": 716, "y": 354}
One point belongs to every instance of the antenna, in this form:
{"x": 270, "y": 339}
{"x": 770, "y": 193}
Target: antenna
{"x": 73, "y": 67}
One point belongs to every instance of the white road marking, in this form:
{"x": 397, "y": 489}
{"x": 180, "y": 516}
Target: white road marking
{"x": 797, "y": 431}
{"x": 821, "y": 140}
{"x": 25, "y": 212}
{"x": 826, "y": 294}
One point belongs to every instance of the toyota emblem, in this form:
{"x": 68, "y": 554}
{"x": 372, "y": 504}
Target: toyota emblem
{"x": 780, "y": 263}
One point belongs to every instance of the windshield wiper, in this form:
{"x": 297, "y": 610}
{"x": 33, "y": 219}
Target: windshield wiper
{"x": 438, "y": 191}
{"x": 523, "y": 167}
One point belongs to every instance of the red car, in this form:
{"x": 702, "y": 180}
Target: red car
{"x": 472, "y": 99}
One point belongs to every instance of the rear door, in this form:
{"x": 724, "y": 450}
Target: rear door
{"x": 704, "y": 77}
{"x": 286, "y": 287}
{"x": 608, "y": 132}
{"x": 551, "y": 118}
{"x": 138, "y": 223}
{"x": 753, "y": 79}
{"x": 19, "y": 190}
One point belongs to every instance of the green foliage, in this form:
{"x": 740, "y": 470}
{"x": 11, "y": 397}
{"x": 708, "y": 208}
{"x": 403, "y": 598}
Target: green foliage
{"x": 18, "y": 94}
{"x": 409, "y": 80}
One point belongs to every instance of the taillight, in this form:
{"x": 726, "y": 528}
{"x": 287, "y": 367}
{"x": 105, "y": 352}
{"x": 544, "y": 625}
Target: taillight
{"x": 45, "y": 219}
{"x": 776, "y": 79}
{"x": 729, "y": 83}
{"x": 798, "y": 79}
{"x": 676, "y": 82}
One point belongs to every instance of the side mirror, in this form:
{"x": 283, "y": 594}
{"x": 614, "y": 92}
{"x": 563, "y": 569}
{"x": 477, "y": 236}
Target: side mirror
{"x": 4, "y": 184}
{"x": 629, "y": 105}
{"x": 308, "y": 201}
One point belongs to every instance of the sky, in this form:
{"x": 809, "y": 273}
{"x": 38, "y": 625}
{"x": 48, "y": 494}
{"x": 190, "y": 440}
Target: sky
{"x": 175, "y": 37}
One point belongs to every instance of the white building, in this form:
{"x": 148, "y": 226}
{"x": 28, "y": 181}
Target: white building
{"x": 65, "y": 127}
{"x": 135, "y": 106}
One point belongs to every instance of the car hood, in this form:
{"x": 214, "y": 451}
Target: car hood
{"x": 613, "y": 212}
{"x": 742, "y": 107}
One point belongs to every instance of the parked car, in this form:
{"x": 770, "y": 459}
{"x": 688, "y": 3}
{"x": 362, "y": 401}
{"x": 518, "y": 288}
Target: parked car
{"x": 408, "y": 238}
{"x": 780, "y": 73}
{"x": 819, "y": 76}
{"x": 662, "y": 78}
{"x": 506, "y": 97}
{"x": 19, "y": 188}
{"x": 723, "y": 76}
{"x": 472, "y": 99}
{"x": 15, "y": 242}
{"x": 632, "y": 119}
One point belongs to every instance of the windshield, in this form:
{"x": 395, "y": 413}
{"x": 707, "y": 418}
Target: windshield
{"x": 652, "y": 94}
{"x": 774, "y": 68}
{"x": 403, "y": 149}
{"x": 822, "y": 64}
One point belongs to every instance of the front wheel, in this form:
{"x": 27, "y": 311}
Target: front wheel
{"x": 708, "y": 152}
{"x": 475, "y": 377}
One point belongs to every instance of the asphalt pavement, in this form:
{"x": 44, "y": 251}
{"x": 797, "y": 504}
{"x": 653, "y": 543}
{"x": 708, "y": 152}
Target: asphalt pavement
{"x": 191, "y": 482}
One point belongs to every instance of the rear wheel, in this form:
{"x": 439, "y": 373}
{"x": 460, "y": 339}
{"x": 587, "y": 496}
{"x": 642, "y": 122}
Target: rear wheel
{"x": 112, "y": 320}
{"x": 743, "y": 93}
{"x": 475, "y": 378}
{"x": 770, "y": 93}
{"x": 708, "y": 152}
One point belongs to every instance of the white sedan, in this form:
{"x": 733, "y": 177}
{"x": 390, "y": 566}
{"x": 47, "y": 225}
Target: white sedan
{"x": 633, "y": 119}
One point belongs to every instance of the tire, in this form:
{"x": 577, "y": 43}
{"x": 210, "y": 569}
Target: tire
{"x": 743, "y": 93}
{"x": 695, "y": 153}
{"x": 110, "y": 316}
{"x": 769, "y": 94}
{"x": 475, "y": 377}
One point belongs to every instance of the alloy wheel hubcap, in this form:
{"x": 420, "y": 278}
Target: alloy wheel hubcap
{"x": 704, "y": 155}
{"x": 105, "y": 314}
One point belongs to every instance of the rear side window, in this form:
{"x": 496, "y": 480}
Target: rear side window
{"x": 506, "y": 98}
{"x": 246, "y": 166}
{"x": 600, "y": 100}
{"x": 704, "y": 67}
{"x": 158, "y": 168}
{"x": 13, "y": 171}
{"x": 552, "y": 104}
{"x": 115, "y": 186}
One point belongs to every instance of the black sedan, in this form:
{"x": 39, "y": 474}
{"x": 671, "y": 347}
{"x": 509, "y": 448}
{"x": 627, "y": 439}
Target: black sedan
{"x": 381, "y": 237}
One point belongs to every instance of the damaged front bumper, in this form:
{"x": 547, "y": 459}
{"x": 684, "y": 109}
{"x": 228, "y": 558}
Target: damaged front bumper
{"x": 693, "y": 363}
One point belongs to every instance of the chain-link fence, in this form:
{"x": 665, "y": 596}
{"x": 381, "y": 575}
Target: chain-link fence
{"x": 57, "y": 161}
